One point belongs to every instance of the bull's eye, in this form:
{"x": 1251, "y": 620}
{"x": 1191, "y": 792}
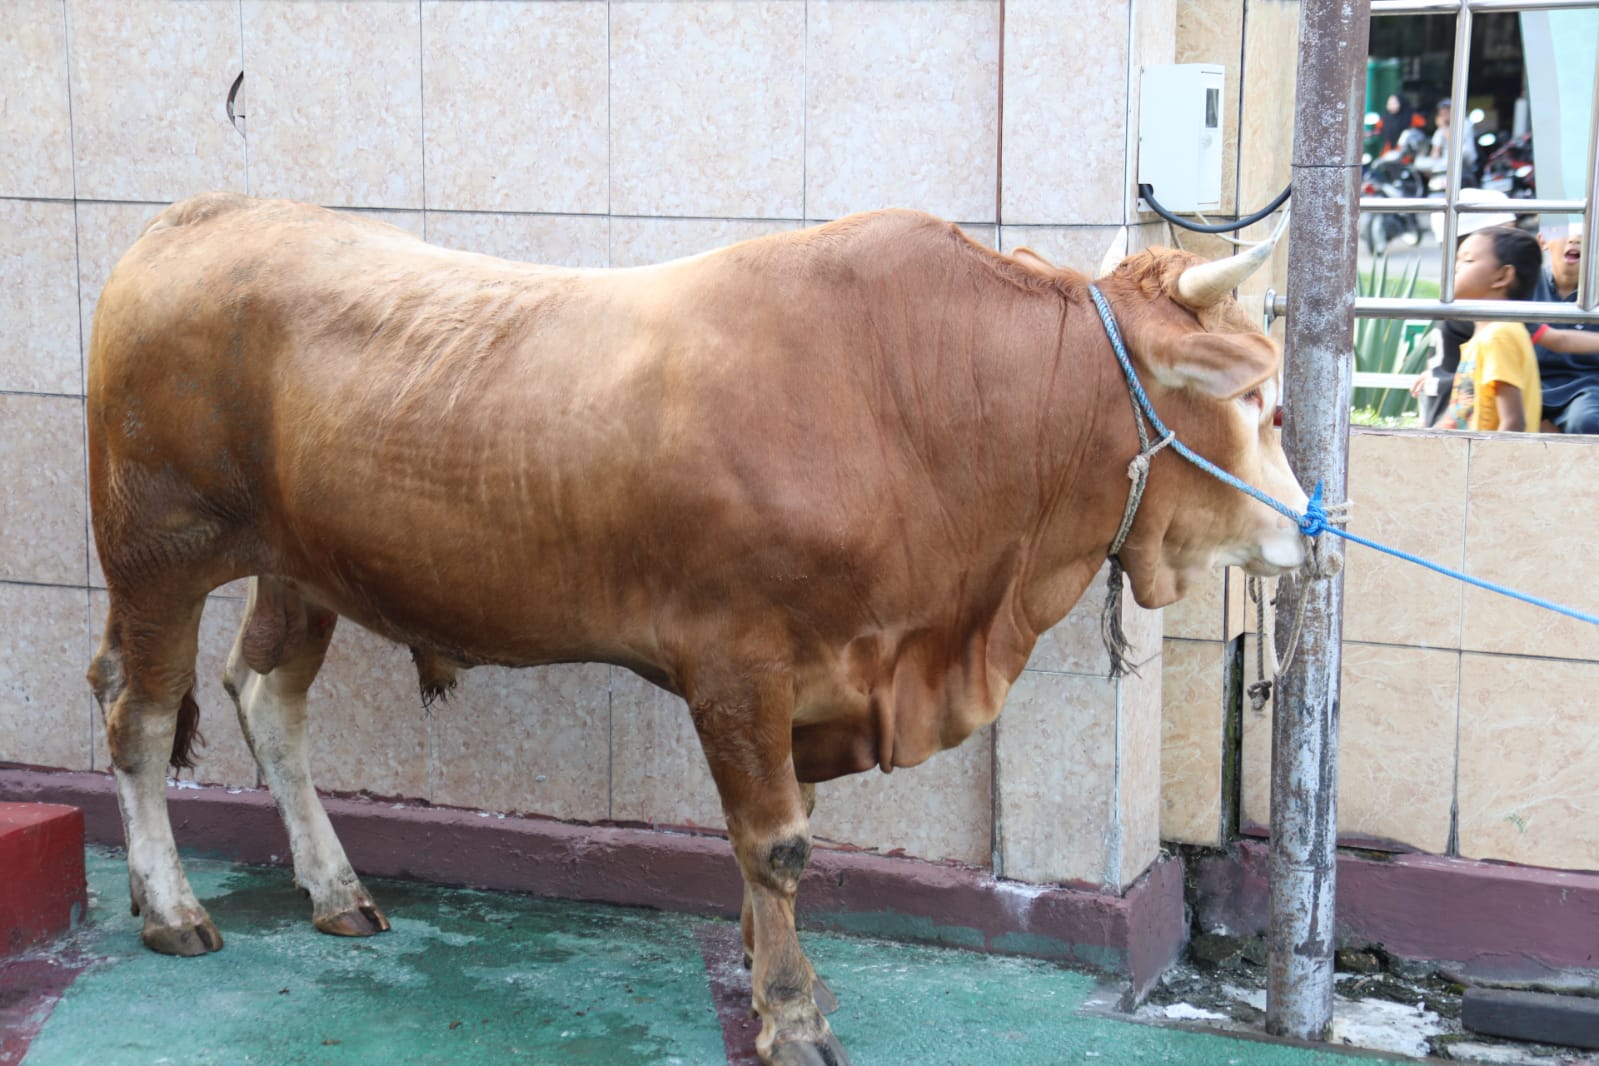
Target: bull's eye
{"x": 1253, "y": 397}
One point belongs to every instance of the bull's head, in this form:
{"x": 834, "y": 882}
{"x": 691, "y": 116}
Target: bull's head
{"x": 1212, "y": 375}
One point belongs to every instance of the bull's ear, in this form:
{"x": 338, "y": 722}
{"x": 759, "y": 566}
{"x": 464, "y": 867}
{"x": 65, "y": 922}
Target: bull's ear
{"x": 1222, "y": 365}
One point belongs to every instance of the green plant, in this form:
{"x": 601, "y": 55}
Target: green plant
{"x": 1381, "y": 346}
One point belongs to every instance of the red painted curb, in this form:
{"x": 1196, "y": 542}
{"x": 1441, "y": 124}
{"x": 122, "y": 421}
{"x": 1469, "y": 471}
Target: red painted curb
{"x": 43, "y": 892}
{"x": 1482, "y": 920}
{"x": 1136, "y": 935}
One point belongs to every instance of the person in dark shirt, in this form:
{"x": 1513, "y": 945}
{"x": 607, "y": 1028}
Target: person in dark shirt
{"x": 1398, "y": 118}
{"x": 1567, "y": 361}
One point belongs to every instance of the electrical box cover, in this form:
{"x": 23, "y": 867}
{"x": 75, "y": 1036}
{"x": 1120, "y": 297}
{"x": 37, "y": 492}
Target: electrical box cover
{"x": 1180, "y": 135}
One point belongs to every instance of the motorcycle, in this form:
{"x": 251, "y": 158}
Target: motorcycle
{"x": 1392, "y": 175}
{"x": 1509, "y": 169}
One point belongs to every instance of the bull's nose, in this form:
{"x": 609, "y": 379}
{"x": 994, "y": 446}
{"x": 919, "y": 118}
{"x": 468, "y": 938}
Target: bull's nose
{"x": 1281, "y": 551}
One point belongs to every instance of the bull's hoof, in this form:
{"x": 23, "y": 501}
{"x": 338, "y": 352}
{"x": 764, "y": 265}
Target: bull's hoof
{"x": 796, "y": 1053}
{"x": 197, "y": 938}
{"x": 361, "y": 921}
{"x": 826, "y": 1002}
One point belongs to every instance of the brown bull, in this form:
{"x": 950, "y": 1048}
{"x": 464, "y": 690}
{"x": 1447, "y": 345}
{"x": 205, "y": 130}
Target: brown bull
{"x": 828, "y": 487}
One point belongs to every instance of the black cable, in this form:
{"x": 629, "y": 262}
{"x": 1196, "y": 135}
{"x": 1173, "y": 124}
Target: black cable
{"x": 1148, "y": 193}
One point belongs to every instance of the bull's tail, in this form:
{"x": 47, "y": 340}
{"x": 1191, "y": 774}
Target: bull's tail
{"x": 187, "y": 734}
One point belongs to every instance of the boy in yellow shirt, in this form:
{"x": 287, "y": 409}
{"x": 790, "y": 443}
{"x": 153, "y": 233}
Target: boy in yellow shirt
{"x": 1496, "y": 385}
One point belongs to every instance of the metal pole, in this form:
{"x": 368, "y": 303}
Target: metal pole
{"x": 1333, "y": 37}
{"x": 1452, "y": 160}
{"x": 1588, "y": 283}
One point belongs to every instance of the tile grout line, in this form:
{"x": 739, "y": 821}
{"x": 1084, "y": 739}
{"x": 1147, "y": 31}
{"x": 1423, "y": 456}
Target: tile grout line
{"x": 805, "y": 111}
{"x": 244, "y": 136}
{"x": 610, "y": 224}
{"x": 83, "y": 374}
{"x": 422, "y": 122}
{"x": 1452, "y": 843}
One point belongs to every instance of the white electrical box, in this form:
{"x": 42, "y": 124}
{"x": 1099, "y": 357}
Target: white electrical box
{"x": 1179, "y": 135}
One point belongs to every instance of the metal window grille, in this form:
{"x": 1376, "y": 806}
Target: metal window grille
{"x": 1452, "y": 207}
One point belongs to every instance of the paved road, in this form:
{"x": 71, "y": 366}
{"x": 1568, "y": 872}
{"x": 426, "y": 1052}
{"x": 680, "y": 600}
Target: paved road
{"x": 1403, "y": 257}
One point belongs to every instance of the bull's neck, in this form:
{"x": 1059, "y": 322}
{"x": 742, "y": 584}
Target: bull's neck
{"x": 1017, "y": 384}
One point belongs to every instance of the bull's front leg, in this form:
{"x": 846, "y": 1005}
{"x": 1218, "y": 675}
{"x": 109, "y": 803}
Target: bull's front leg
{"x": 744, "y": 729}
{"x": 825, "y": 1000}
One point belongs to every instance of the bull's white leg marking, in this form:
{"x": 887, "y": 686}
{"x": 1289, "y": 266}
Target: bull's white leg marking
{"x": 174, "y": 920}
{"x": 272, "y": 713}
{"x": 140, "y": 687}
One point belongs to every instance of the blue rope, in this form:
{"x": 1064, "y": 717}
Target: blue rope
{"x": 1313, "y": 522}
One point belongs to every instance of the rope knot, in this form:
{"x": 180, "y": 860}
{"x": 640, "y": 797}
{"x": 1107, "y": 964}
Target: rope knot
{"x": 1314, "y": 522}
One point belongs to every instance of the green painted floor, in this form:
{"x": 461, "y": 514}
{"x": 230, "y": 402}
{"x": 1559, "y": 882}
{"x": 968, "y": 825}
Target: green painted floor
{"x": 484, "y": 977}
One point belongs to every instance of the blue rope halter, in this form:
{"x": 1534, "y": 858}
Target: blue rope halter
{"x": 1313, "y": 522}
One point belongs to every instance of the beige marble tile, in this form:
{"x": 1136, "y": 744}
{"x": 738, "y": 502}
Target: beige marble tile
{"x": 1194, "y": 703}
{"x": 1055, "y": 747}
{"x": 368, "y": 729}
{"x": 1396, "y": 745}
{"x": 1240, "y": 608}
{"x": 1202, "y": 613}
{"x": 43, "y": 491}
{"x": 1139, "y": 767}
{"x": 335, "y": 110}
{"x": 1410, "y": 493}
{"x": 559, "y": 240}
{"x": 643, "y": 241}
{"x": 44, "y": 701}
{"x": 727, "y": 79}
{"x": 1396, "y": 760}
{"x": 658, "y": 772}
{"x": 1075, "y": 644}
{"x": 223, "y": 757}
{"x": 1080, "y": 248}
{"x": 514, "y": 103}
{"x": 1212, "y": 31}
{"x": 902, "y": 107}
{"x": 1270, "y": 69}
{"x": 942, "y": 809}
{"x": 1529, "y": 761}
{"x": 530, "y": 741}
{"x": 1050, "y": 58}
{"x": 39, "y": 297}
{"x": 35, "y": 123}
{"x": 1529, "y": 527}
{"x": 149, "y": 85}
{"x": 1255, "y": 750}
{"x": 105, "y": 232}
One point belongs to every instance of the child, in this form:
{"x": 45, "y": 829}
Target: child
{"x": 1496, "y": 384}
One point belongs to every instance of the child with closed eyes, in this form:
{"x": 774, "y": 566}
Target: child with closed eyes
{"x": 1496, "y": 385}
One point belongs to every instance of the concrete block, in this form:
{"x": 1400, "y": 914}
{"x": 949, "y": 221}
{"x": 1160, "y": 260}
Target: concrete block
{"x": 1541, "y": 1017}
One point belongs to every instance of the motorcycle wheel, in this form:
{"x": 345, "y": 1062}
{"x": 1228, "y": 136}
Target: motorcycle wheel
{"x": 1376, "y": 235}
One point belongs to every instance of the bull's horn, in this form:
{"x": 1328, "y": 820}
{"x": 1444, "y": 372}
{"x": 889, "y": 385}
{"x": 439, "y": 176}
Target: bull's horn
{"x": 1206, "y": 284}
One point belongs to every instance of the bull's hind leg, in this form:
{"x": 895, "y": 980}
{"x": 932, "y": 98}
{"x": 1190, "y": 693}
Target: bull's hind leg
{"x": 143, "y": 678}
{"x": 744, "y": 729}
{"x": 276, "y": 656}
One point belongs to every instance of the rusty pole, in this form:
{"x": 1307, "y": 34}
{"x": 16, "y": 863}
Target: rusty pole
{"x": 1318, "y": 374}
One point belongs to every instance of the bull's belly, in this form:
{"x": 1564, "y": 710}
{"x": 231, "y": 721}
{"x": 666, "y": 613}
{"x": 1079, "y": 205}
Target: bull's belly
{"x": 473, "y": 609}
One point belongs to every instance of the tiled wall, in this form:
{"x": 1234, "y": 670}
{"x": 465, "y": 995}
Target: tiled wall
{"x": 585, "y": 133}
{"x": 1469, "y": 723}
